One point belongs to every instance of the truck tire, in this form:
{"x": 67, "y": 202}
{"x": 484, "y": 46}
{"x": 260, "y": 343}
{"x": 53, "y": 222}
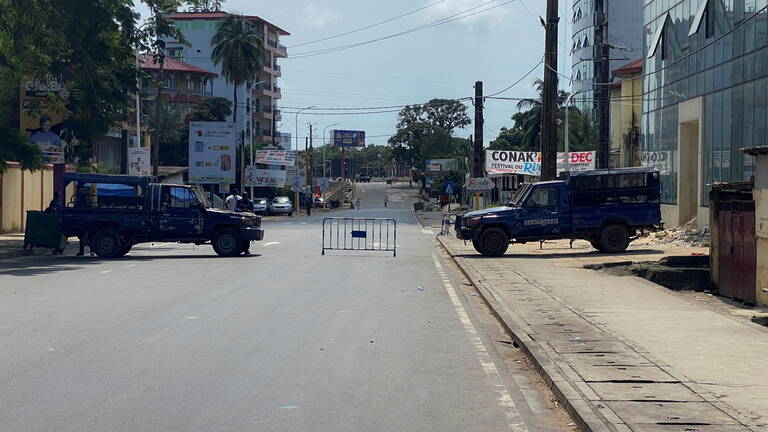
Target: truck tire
{"x": 476, "y": 245}
{"x": 226, "y": 243}
{"x": 125, "y": 249}
{"x": 494, "y": 242}
{"x": 106, "y": 243}
{"x": 614, "y": 239}
{"x": 595, "y": 242}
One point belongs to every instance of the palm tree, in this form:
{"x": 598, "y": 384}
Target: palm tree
{"x": 239, "y": 48}
{"x": 531, "y": 113}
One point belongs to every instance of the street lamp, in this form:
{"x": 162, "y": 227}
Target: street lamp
{"x": 245, "y": 122}
{"x": 297, "y": 124}
{"x": 567, "y": 128}
{"x": 324, "y": 145}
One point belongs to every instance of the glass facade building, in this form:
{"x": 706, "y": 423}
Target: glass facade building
{"x": 705, "y": 94}
{"x": 624, "y": 34}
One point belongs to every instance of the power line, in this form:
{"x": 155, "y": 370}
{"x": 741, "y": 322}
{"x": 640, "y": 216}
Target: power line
{"x": 369, "y": 26}
{"x": 518, "y": 81}
{"x": 446, "y": 20}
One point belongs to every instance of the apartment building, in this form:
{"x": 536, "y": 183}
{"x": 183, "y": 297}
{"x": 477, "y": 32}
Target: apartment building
{"x": 257, "y": 112}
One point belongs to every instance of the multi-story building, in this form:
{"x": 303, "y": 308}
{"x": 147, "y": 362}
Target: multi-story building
{"x": 626, "y": 114}
{"x": 257, "y": 112}
{"x": 184, "y": 83}
{"x": 624, "y": 35}
{"x": 705, "y": 97}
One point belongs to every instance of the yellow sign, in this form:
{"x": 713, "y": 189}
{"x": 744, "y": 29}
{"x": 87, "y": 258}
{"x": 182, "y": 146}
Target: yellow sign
{"x": 40, "y": 118}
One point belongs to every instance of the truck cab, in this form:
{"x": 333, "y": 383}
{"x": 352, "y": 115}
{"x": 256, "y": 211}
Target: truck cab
{"x": 112, "y": 213}
{"x": 609, "y": 208}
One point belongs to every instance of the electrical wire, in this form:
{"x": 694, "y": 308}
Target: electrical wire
{"x": 518, "y": 81}
{"x": 446, "y": 20}
{"x": 368, "y": 26}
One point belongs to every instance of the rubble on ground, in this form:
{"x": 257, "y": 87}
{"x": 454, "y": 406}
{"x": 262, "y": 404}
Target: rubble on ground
{"x": 685, "y": 236}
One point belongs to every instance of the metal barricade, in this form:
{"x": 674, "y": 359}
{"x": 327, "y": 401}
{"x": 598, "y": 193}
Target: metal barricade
{"x": 360, "y": 234}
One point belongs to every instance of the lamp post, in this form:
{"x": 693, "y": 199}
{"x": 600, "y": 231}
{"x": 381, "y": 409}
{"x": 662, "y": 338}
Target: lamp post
{"x": 297, "y": 148}
{"x": 248, "y": 88}
{"x": 567, "y": 129}
{"x": 324, "y": 145}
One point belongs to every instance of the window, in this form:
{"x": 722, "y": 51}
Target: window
{"x": 178, "y": 197}
{"x": 543, "y": 197}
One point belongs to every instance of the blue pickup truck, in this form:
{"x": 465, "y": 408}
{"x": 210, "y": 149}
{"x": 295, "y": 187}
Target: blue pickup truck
{"x": 112, "y": 213}
{"x": 609, "y": 208}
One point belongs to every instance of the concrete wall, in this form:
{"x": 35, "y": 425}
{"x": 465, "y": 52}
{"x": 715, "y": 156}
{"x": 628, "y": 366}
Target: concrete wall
{"x": 761, "y": 227}
{"x": 21, "y": 191}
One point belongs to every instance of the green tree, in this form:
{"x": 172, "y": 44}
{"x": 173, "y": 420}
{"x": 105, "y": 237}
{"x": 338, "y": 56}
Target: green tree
{"x": 239, "y": 49}
{"x": 13, "y": 147}
{"x": 214, "y": 109}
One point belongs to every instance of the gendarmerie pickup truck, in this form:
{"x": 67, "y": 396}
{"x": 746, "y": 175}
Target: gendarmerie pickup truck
{"x": 114, "y": 212}
{"x": 609, "y": 208}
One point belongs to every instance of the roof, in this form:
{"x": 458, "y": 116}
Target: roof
{"x": 220, "y": 15}
{"x": 610, "y": 171}
{"x": 632, "y": 68}
{"x": 105, "y": 178}
{"x": 167, "y": 171}
{"x": 170, "y": 64}
{"x": 754, "y": 151}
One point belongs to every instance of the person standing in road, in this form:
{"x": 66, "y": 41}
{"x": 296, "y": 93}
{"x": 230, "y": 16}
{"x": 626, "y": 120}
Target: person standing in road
{"x": 386, "y": 199}
{"x": 245, "y": 204}
{"x": 231, "y": 202}
{"x": 55, "y": 204}
{"x": 357, "y": 204}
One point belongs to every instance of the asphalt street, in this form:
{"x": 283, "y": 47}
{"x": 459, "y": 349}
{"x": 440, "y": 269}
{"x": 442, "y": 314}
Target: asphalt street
{"x": 173, "y": 338}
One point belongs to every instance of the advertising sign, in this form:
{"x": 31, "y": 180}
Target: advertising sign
{"x": 661, "y": 160}
{"x": 579, "y": 161}
{"x": 324, "y": 184}
{"x": 512, "y": 162}
{"x": 138, "y": 161}
{"x": 479, "y": 184}
{"x": 212, "y": 148}
{"x": 41, "y": 123}
{"x": 264, "y": 177}
{"x": 348, "y": 138}
{"x": 275, "y": 157}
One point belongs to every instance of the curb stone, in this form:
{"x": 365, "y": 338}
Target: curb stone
{"x": 566, "y": 393}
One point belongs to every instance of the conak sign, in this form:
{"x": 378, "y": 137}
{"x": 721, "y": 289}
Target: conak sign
{"x": 512, "y": 162}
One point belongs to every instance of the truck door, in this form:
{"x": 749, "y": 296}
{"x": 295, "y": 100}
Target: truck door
{"x": 179, "y": 215}
{"x": 545, "y": 212}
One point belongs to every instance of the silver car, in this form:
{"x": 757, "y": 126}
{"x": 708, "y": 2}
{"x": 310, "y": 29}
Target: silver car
{"x": 260, "y": 205}
{"x": 281, "y": 205}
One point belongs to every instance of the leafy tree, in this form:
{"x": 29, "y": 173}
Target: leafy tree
{"x": 239, "y": 49}
{"x": 426, "y": 131}
{"x": 14, "y": 147}
{"x": 214, "y": 109}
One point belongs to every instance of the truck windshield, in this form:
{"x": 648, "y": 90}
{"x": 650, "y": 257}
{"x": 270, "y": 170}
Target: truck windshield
{"x": 202, "y": 198}
{"x": 517, "y": 199}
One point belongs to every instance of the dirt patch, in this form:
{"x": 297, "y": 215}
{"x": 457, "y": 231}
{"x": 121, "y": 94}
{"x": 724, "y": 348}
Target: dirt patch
{"x": 678, "y": 273}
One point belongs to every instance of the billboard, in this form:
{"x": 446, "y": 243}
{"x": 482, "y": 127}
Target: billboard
{"x": 661, "y": 160}
{"x": 348, "y": 138}
{"x": 212, "y": 147}
{"x": 264, "y": 177}
{"x": 579, "y": 161}
{"x": 39, "y": 120}
{"x": 138, "y": 161}
{"x": 275, "y": 157}
{"x": 512, "y": 162}
{"x": 479, "y": 184}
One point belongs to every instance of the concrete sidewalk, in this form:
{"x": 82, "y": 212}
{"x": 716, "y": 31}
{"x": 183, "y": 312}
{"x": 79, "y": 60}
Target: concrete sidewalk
{"x": 622, "y": 353}
{"x": 12, "y": 246}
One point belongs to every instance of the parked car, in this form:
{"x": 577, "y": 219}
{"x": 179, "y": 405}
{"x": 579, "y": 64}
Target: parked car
{"x": 609, "y": 208}
{"x": 281, "y": 205}
{"x": 318, "y": 202}
{"x": 364, "y": 179}
{"x": 114, "y": 212}
{"x": 260, "y": 205}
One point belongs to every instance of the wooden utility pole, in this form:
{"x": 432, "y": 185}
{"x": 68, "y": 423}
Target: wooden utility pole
{"x": 602, "y": 90}
{"x": 309, "y": 159}
{"x": 478, "y": 165}
{"x": 549, "y": 108}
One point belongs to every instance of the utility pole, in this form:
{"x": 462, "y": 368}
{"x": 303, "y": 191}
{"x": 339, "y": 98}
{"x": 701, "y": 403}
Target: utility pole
{"x": 309, "y": 159}
{"x": 549, "y": 120}
{"x": 478, "y": 167}
{"x": 602, "y": 90}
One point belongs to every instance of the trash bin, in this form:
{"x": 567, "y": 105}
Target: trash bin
{"x": 44, "y": 230}
{"x": 418, "y": 206}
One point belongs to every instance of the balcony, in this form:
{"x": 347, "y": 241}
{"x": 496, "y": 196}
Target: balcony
{"x": 273, "y": 70}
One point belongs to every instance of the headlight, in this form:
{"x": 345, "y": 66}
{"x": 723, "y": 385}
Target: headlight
{"x": 475, "y": 220}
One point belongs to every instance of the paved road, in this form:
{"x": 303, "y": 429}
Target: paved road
{"x": 172, "y": 338}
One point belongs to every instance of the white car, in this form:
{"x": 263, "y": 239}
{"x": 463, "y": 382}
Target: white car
{"x": 260, "y": 205}
{"x": 281, "y": 205}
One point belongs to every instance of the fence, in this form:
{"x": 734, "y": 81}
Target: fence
{"x": 20, "y": 191}
{"x": 360, "y": 234}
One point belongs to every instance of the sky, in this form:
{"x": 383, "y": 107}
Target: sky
{"x": 497, "y": 46}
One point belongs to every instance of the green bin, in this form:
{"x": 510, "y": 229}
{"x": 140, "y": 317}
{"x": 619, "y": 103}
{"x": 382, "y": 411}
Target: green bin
{"x": 418, "y": 206}
{"x": 44, "y": 230}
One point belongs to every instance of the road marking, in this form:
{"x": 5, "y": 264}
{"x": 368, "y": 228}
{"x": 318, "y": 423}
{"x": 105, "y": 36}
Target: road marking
{"x": 270, "y": 244}
{"x": 503, "y": 399}
{"x": 130, "y": 265}
{"x": 106, "y": 271}
{"x": 191, "y": 317}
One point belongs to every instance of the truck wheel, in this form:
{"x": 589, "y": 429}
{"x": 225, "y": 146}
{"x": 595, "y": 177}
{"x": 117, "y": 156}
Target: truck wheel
{"x": 494, "y": 242}
{"x": 106, "y": 243}
{"x": 226, "y": 243}
{"x": 476, "y": 245}
{"x": 125, "y": 249}
{"x": 595, "y": 242}
{"x": 614, "y": 239}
